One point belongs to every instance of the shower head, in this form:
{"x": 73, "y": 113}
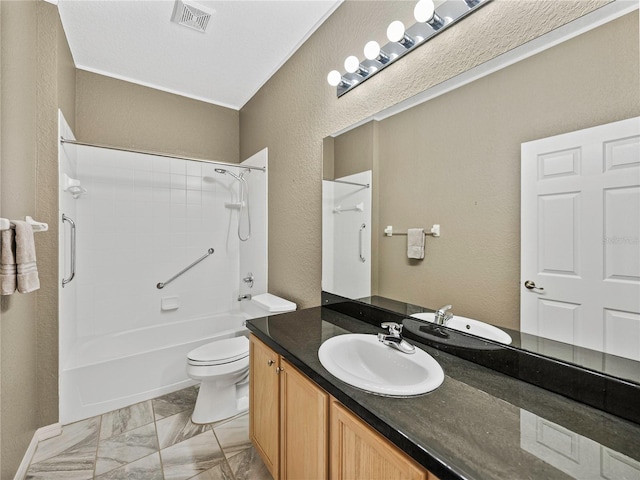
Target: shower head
{"x": 244, "y": 198}
{"x": 223, "y": 171}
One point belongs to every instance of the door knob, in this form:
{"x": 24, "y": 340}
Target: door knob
{"x": 532, "y": 285}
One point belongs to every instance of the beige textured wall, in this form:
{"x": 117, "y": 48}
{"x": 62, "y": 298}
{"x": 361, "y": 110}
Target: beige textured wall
{"x": 35, "y": 81}
{"x": 328, "y": 150}
{"x": 18, "y": 381}
{"x": 119, "y": 113}
{"x": 353, "y": 151}
{"x": 296, "y": 109}
{"x": 66, "y": 75}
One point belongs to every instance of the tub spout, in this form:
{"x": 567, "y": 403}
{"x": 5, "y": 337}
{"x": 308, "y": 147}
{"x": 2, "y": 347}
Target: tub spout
{"x": 244, "y": 297}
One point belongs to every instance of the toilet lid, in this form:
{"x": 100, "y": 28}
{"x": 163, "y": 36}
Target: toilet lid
{"x": 220, "y": 351}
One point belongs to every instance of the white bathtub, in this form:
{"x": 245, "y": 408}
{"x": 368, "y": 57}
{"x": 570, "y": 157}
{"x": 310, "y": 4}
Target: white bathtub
{"x": 114, "y": 371}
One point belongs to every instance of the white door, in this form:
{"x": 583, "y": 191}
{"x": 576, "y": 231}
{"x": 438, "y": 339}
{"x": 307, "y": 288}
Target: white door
{"x": 581, "y": 238}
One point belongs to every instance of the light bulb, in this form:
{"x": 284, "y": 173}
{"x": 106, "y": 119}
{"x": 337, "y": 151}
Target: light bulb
{"x": 395, "y": 31}
{"x": 351, "y": 64}
{"x": 372, "y": 50}
{"x": 424, "y": 10}
{"x": 334, "y": 78}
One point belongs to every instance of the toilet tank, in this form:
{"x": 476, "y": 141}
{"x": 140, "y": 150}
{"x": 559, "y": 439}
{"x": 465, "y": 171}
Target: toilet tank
{"x": 267, "y": 304}
{"x": 273, "y": 304}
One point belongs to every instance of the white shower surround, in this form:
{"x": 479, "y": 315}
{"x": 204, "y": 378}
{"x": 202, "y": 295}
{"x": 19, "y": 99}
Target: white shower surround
{"x": 143, "y": 219}
{"x": 343, "y": 271}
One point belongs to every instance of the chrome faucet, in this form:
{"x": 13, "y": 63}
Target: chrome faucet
{"x": 244, "y": 297}
{"x": 442, "y": 316}
{"x": 394, "y": 338}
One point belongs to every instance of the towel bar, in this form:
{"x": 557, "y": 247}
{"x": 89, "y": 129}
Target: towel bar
{"x": 434, "y": 231}
{"x": 356, "y": 208}
{"x": 6, "y": 224}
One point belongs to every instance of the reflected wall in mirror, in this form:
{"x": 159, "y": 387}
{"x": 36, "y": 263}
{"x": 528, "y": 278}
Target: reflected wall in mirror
{"x": 455, "y": 161}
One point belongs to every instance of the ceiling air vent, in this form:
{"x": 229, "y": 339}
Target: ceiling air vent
{"x": 191, "y": 15}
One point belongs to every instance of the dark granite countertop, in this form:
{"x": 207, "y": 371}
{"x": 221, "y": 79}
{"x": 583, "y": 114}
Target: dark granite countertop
{"x": 479, "y": 424}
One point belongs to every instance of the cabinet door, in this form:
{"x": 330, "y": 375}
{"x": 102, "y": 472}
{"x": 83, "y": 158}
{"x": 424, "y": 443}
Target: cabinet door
{"x": 360, "y": 453}
{"x": 304, "y": 424}
{"x": 264, "y": 402}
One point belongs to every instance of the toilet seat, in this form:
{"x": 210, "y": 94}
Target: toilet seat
{"x": 220, "y": 352}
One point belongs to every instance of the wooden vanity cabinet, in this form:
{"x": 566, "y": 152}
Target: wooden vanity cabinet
{"x": 301, "y": 432}
{"x": 264, "y": 403}
{"x": 289, "y": 417}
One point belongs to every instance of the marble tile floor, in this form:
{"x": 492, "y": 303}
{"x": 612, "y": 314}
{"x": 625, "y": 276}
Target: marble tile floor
{"x": 152, "y": 440}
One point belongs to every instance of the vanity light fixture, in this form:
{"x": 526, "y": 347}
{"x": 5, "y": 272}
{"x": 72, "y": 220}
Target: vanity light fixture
{"x": 430, "y": 21}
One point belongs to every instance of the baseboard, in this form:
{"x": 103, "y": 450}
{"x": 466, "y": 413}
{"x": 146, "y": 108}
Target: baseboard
{"x": 41, "y": 434}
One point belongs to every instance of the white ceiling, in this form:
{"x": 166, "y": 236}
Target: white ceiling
{"x": 246, "y": 42}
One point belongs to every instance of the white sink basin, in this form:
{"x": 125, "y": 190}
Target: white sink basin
{"x": 364, "y": 362}
{"x": 471, "y": 326}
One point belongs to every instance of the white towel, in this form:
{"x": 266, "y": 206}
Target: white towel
{"x": 8, "y": 269}
{"x": 415, "y": 243}
{"x": 28, "y": 280}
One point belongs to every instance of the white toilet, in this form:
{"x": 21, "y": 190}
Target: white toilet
{"x": 223, "y": 367}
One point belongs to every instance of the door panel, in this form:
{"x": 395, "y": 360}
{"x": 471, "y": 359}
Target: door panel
{"x": 360, "y": 453}
{"x": 580, "y": 238}
{"x": 558, "y": 230}
{"x": 264, "y": 403}
{"x": 304, "y": 426}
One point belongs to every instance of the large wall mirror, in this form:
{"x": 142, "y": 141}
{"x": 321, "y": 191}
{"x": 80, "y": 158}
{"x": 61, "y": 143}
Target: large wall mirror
{"x": 455, "y": 160}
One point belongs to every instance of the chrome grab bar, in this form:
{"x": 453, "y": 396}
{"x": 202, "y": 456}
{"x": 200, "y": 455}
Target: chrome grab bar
{"x": 162, "y": 284}
{"x": 73, "y": 250}
{"x": 362, "y": 227}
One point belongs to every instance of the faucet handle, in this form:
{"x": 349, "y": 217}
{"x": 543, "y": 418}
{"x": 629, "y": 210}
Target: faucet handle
{"x": 394, "y": 328}
{"x": 441, "y": 316}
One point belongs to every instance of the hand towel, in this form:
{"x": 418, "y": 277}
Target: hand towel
{"x": 415, "y": 243}
{"x": 8, "y": 268}
{"x": 26, "y": 258}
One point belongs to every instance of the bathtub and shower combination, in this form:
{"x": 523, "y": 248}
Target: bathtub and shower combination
{"x": 139, "y": 219}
